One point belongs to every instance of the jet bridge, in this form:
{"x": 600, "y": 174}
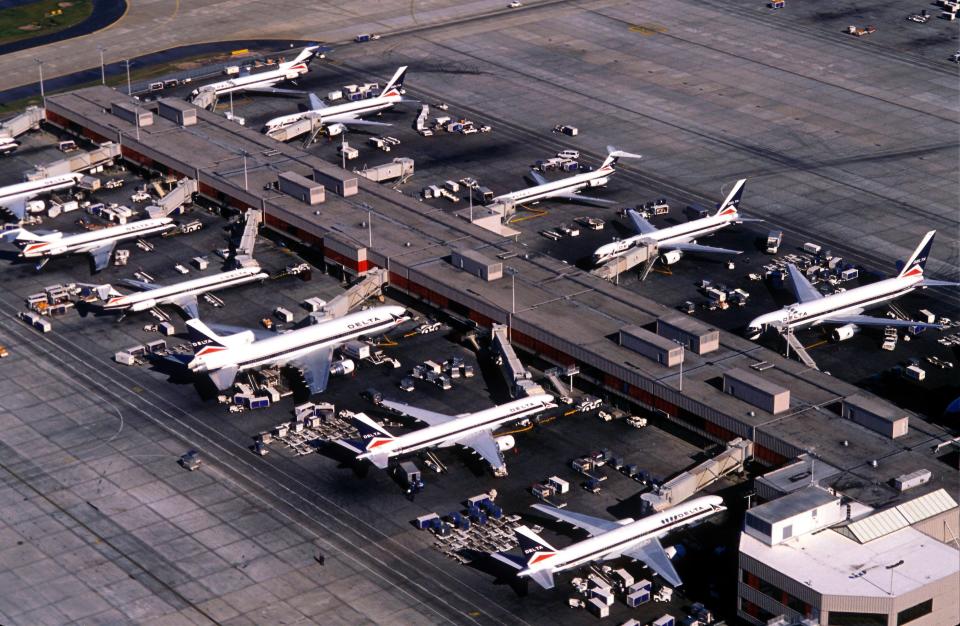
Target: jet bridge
{"x": 244, "y": 252}
{"x": 802, "y": 354}
{"x": 625, "y": 263}
{"x": 106, "y": 154}
{"x": 371, "y": 285}
{"x": 28, "y": 120}
{"x": 691, "y": 482}
{"x": 520, "y": 380}
{"x": 206, "y": 98}
{"x": 174, "y": 199}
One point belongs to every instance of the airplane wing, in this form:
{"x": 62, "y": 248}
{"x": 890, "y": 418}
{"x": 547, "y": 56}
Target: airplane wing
{"x": 276, "y": 91}
{"x": 316, "y": 103}
{"x": 593, "y": 525}
{"x": 101, "y": 255}
{"x": 188, "y": 304}
{"x": 576, "y": 197}
{"x": 223, "y": 378}
{"x": 17, "y": 206}
{"x": 360, "y": 122}
{"x": 803, "y": 291}
{"x": 137, "y": 284}
{"x": 696, "y": 247}
{"x": 485, "y": 445}
{"x": 430, "y": 418}
{"x": 640, "y": 224}
{"x": 869, "y": 320}
{"x": 316, "y": 368}
{"x": 929, "y": 282}
{"x": 227, "y": 329}
{"x": 655, "y": 557}
{"x": 537, "y": 177}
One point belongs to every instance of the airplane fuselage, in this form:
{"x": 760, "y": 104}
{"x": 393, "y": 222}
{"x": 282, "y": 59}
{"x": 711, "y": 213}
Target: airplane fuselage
{"x": 145, "y": 300}
{"x": 630, "y": 535}
{"x": 681, "y": 233}
{"x": 247, "y": 354}
{"x": 455, "y": 429}
{"x": 852, "y": 301}
{"x": 567, "y": 185}
{"x": 85, "y": 242}
{"x": 25, "y": 191}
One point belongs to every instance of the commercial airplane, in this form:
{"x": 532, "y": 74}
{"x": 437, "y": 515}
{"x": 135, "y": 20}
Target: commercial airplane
{"x": 845, "y": 309}
{"x": 639, "y": 540}
{"x": 264, "y": 81}
{"x": 183, "y": 294}
{"x": 470, "y": 430}
{"x": 672, "y": 242}
{"x": 347, "y": 114}
{"x": 309, "y": 348}
{"x": 98, "y": 244}
{"x": 569, "y": 188}
{"x": 14, "y": 197}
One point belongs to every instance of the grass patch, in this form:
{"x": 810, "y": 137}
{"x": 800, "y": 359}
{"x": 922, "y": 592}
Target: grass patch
{"x": 41, "y": 18}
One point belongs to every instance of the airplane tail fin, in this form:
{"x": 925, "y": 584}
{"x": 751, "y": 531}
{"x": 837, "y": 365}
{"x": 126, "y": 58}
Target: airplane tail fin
{"x": 614, "y": 155}
{"x": 918, "y": 260}
{"x": 395, "y": 85}
{"x": 203, "y": 339}
{"x": 731, "y": 204}
{"x": 533, "y": 546}
{"x": 372, "y": 435}
{"x": 306, "y": 55}
{"x": 21, "y": 237}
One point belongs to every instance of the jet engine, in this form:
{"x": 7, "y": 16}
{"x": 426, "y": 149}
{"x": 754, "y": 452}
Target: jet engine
{"x": 343, "y": 367}
{"x": 671, "y": 257}
{"x": 842, "y": 333}
{"x": 598, "y": 182}
{"x": 507, "y": 442}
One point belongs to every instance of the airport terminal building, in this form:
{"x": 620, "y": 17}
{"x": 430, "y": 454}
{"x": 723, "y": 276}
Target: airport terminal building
{"x": 811, "y": 558}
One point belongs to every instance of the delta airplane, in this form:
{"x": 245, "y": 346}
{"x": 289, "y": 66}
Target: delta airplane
{"x": 568, "y": 188}
{"x": 309, "y": 348}
{"x": 639, "y": 540}
{"x": 470, "y": 430}
{"x": 264, "y": 81}
{"x": 14, "y": 197}
{"x": 99, "y": 244}
{"x": 182, "y": 295}
{"x": 845, "y": 309}
{"x": 672, "y": 242}
{"x": 340, "y": 116}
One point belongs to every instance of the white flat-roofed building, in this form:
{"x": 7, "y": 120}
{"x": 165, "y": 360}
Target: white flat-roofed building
{"x": 891, "y": 577}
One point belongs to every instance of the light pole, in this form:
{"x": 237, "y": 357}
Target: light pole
{"x": 470, "y": 193}
{"x": 244, "y": 153}
{"x": 103, "y": 71}
{"x": 43, "y": 96}
{"x": 683, "y": 356}
{"x": 129, "y": 89}
{"x": 369, "y": 229}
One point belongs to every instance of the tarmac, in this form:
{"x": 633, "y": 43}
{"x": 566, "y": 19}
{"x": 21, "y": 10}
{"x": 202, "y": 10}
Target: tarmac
{"x": 122, "y": 534}
{"x": 107, "y": 528}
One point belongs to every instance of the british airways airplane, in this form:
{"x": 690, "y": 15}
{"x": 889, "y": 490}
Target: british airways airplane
{"x": 846, "y": 309}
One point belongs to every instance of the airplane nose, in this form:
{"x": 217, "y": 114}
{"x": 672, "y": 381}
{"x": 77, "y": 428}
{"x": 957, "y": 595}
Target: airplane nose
{"x": 753, "y": 332}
